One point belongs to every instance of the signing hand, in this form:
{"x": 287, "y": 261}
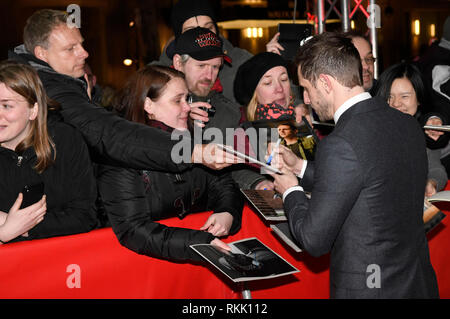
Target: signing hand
{"x": 285, "y": 158}
{"x": 284, "y": 181}
{"x": 20, "y": 221}
{"x": 218, "y": 224}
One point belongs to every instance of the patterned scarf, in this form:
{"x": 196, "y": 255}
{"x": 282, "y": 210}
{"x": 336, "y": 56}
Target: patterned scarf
{"x": 273, "y": 111}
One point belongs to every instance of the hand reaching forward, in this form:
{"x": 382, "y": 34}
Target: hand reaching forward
{"x": 273, "y": 45}
{"x": 212, "y": 156}
{"x": 218, "y": 224}
{"x": 217, "y": 242}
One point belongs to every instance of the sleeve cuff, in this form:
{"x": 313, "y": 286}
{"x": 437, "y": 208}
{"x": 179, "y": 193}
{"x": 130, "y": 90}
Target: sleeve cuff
{"x": 302, "y": 172}
{"x": 290, "y": 190}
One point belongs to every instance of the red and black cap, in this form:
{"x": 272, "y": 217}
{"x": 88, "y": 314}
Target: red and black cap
{"x": 201, "y": 44}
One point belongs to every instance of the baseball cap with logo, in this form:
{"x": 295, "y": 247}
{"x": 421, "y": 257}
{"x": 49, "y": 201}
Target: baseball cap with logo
{"x": 201, "y": 44}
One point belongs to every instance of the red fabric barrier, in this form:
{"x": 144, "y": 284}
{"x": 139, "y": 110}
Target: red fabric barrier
{"x": 438, "y": 243}
{"x": 45, "y": 268}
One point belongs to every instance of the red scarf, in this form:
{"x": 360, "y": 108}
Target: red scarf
{"x": 272, "y": 111}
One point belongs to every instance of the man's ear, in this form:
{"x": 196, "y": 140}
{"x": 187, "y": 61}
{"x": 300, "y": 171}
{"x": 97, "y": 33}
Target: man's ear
{"x": 325, "y": 82}
{"x": 149, "y": 107}
{"x": 177, "y": 64}
{"x": 40, "y": 53}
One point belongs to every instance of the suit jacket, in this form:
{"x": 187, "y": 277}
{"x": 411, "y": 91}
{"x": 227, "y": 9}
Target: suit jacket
{"x": 366, "y": 205}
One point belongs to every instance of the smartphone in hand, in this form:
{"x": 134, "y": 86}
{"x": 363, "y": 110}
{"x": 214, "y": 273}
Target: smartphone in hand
{"x": 32, "y": 194}
{"x": 291, "y": 34}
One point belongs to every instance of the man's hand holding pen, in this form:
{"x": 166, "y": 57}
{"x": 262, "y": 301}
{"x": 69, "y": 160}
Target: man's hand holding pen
{"x": 288, "y": 163}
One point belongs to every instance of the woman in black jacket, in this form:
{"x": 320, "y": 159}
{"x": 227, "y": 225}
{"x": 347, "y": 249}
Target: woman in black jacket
{"x": 135, "y": 199}
{"x": 51, "y": 158}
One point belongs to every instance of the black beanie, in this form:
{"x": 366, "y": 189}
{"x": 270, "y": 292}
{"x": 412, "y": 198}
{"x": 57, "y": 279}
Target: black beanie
{"x": 251, "y": 71}
{"x": 185, "y": 9}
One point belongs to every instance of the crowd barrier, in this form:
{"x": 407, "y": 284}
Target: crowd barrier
{"x": 95, "y": 265}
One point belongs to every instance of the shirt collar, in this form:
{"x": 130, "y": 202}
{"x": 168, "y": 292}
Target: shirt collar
{"x": 349, "y": 103}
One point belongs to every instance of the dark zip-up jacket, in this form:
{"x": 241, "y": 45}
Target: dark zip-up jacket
{"x": 134, "y": 200}
{"x": 69, "y": 184}
{"x": 111, "y": 139}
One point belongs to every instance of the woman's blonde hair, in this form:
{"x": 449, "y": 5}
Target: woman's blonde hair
{"x": 251, "y": 107}
{"x": 24, "y": 80}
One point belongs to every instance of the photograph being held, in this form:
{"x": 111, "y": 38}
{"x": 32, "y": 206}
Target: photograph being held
{"x": 36, "y": 151}
{"x": 135, "y": 199}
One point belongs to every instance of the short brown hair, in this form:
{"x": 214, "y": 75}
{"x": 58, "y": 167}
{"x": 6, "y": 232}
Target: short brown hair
{"x": 39, "y": 26}
{"x": 330, "y": 53}
{"x": 149, "y": 81}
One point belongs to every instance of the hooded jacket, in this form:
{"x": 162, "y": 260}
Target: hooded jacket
{"x": 69, "y": 184}
{"x": 134, "y": 200}
{"x": 110, "y": 138}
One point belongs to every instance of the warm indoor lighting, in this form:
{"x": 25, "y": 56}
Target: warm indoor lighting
{"x": 127, "y": 62}
{"x": 416, "y": 28}
{"x": 352, "y": 24}
{"x": 131, "y": 24}
{"x": 254, "y": 32}
{"x": 432, "y": 30}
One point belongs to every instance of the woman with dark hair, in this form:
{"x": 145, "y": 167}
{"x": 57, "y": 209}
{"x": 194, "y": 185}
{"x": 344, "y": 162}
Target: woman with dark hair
{"x": 48, "y": 157}
{"x": 402, "y": 87}
{"x": 134, "y": 200}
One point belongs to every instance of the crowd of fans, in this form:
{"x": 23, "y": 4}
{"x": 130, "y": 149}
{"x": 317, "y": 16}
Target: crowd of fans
{"x": 111, "y": 163}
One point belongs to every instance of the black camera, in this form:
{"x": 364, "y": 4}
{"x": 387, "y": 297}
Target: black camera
{"x": 192, "y": 99}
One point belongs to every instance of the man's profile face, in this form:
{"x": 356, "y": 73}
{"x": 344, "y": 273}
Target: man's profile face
{"x": 65, "y": 52}
{"x": 315, "y": 96}
{"x": 199, "y": 21}
{"x": 201, "y": 75}
{"x": 367, "y": 61}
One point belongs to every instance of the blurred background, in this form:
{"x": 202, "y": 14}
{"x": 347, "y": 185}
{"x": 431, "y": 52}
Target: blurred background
{"x": 123, "y": 35}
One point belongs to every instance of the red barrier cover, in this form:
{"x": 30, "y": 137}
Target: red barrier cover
{"x": 95, "y": 265}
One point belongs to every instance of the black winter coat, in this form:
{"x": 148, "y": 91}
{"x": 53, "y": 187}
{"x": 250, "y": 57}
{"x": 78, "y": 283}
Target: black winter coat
{"x": 69, "y": 184}
{"x": 135, "y": 199}
{"x": 111, "y": 139}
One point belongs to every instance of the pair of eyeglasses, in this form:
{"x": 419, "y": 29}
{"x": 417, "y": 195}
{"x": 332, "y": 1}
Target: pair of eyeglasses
{"x": 369, "y": 60}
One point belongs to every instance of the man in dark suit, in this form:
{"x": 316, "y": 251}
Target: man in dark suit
{"x": 367, "y": 182}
